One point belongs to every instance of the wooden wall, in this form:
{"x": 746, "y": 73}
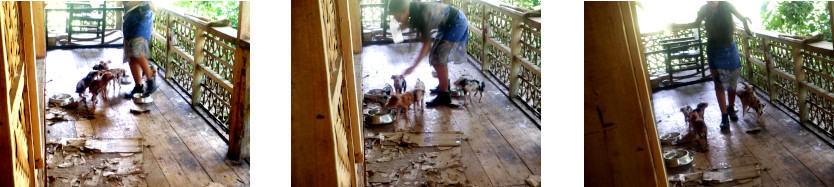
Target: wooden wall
{"x": 326, "y": 124}
{"x": 621, "y": 144}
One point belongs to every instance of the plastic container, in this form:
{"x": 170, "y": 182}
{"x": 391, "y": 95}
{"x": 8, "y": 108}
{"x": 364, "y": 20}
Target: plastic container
{"x": 395, "y": 31}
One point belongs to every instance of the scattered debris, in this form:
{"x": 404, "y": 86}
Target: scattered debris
{"x": 731, "y": 174}
{"x": 115, "y": 145}
{"x": 533, "y": 180}
{"x": 126, "y": 154}
{"x": 139, "y": 111}
{"x": 429, "y": 139}
{"x": 214, "y": 184}
{"x": 753, "y": 130}
{"x": 65, "y": 165}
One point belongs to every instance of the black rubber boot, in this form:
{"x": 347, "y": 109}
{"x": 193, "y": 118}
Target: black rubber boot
{"x": 151, "y": 86}
{"x": 136, "y": 89}
{"x": 434, "y": 91}
{"x": 731, "y": 110}
{"x": 725, "y": 121}
{"x": 442, "y": 99}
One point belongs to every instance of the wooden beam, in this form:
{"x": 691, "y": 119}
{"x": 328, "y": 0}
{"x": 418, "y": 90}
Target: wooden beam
{"x": 355, "y": 26}
{"x": 35, "y": 120}
{"x": 831, "y": 21}
{"x": 40, "y": 28}
{"x": 243, "y": 23}
{"x": 515, "y": 49}
{"x": 239, "y": 121}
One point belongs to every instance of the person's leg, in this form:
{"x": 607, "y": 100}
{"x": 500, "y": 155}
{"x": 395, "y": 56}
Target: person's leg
{"x": 443, "y": 77}
{"x": 720, "y": 93}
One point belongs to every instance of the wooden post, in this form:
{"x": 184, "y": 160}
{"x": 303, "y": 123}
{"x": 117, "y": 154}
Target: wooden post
{"x": 515, "y": 63}
{"x": 356, "y": 26}
{"x": 831, "y": 21}
{"x": 197, "y": 73}
{"x": 802, "y": 96}
{"x": 749, "y": 68}
{"x": 40, "y": 29}
{"x": 239, "y": 114}
{"x": 169, "y": 34}
{"x": 35, "y": 121}
{"x": 29, "y": 55}
{"x": 768, "y": 67}
{"x": 485, "y": 64}
{"x": 351, "y": 79}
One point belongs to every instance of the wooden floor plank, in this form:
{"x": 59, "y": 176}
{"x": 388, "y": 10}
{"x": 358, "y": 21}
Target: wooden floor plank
{"x": 792, "y": 155}
{"x": 168, "y": 160}
{"x": 211, "y": 161}
{"x": 241, "y": 168}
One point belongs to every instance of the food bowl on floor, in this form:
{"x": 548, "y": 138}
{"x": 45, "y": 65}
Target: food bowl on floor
{"x": 377, "y": 116}
{"x": 677, "y": 158}
{"x": 670, "y": 138}
{"x": 61, "y": 99}
{"x": 141, "y": 98}
{"x": 456, "y": 92}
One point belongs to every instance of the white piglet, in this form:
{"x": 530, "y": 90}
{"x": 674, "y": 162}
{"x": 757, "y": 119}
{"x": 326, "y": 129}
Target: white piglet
{"x": 419, "y": 91}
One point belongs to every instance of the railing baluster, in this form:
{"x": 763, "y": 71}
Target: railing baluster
{"x": 515, "y": 63}
{"x": 196, "y": 74}
{"x": 169, "y": 72}
{"x": 765, "y": 47}
{"x": 800, "y": 78}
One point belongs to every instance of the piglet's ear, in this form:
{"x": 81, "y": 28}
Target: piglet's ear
{"x": 393, "y": 76}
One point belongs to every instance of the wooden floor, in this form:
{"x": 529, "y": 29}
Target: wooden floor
{"x": 790, "y": 154}
{"x": 183, "y": 151}
{"x": 504, "y": 146}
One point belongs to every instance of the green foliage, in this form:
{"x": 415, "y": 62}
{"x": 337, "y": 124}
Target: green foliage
{"x": 528, "y": 4}
{"x": 212, "y": 9}
{"x": 804, "y": 18}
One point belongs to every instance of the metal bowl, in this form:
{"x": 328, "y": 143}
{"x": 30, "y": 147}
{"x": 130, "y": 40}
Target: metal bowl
{"x": 456, "y": 92}
{"x": 61, "y": 99}
{"x": 677, "y": 158}
{"x": 670, "y": 138}
{"x": 141, "y": 98}
{"x": 125, "y": 80}
{"x": 376, "y": 116}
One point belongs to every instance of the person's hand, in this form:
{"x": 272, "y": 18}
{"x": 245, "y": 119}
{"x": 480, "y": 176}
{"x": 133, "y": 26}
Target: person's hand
{"x": 409, "y": 70}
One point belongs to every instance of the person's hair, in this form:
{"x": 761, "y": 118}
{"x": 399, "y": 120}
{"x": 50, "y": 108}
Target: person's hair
{"x": 398, "y": 6}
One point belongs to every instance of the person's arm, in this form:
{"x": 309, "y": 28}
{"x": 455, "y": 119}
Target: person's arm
{"x": 423, "y": 52}
{"x": 743, "y": 19}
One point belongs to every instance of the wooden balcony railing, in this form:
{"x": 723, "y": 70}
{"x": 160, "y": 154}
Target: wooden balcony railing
{"x": 798, "y": 76}
{"x": 511, "y": 50}
{"x": 200, "y": 60}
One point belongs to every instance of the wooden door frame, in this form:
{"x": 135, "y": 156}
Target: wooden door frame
{"x": 621, "y": 142}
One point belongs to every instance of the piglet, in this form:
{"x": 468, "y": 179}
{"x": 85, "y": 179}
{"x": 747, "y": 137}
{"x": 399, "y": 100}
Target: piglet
{"x": 469, "y": 85}
{"x": 99, "y": 87}
{"x": 401, "y": 101}
{"x": 419, "y": 92}
{"x": 399, "y": 83}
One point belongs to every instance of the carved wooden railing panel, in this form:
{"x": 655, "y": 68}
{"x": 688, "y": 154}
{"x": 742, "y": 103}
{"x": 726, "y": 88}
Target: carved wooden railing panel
{"x": 508, "y": 47}
{"x": 199, "y": 59}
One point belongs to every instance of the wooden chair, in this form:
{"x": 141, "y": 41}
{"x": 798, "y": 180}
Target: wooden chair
{"x": 688, "y": 49}
{"x": 90, "y": 21}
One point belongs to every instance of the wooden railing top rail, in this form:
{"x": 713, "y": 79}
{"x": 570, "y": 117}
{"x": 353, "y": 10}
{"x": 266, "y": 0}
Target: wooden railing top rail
{"x": 534, "y": 21}
{"x": 225, "y": 33}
